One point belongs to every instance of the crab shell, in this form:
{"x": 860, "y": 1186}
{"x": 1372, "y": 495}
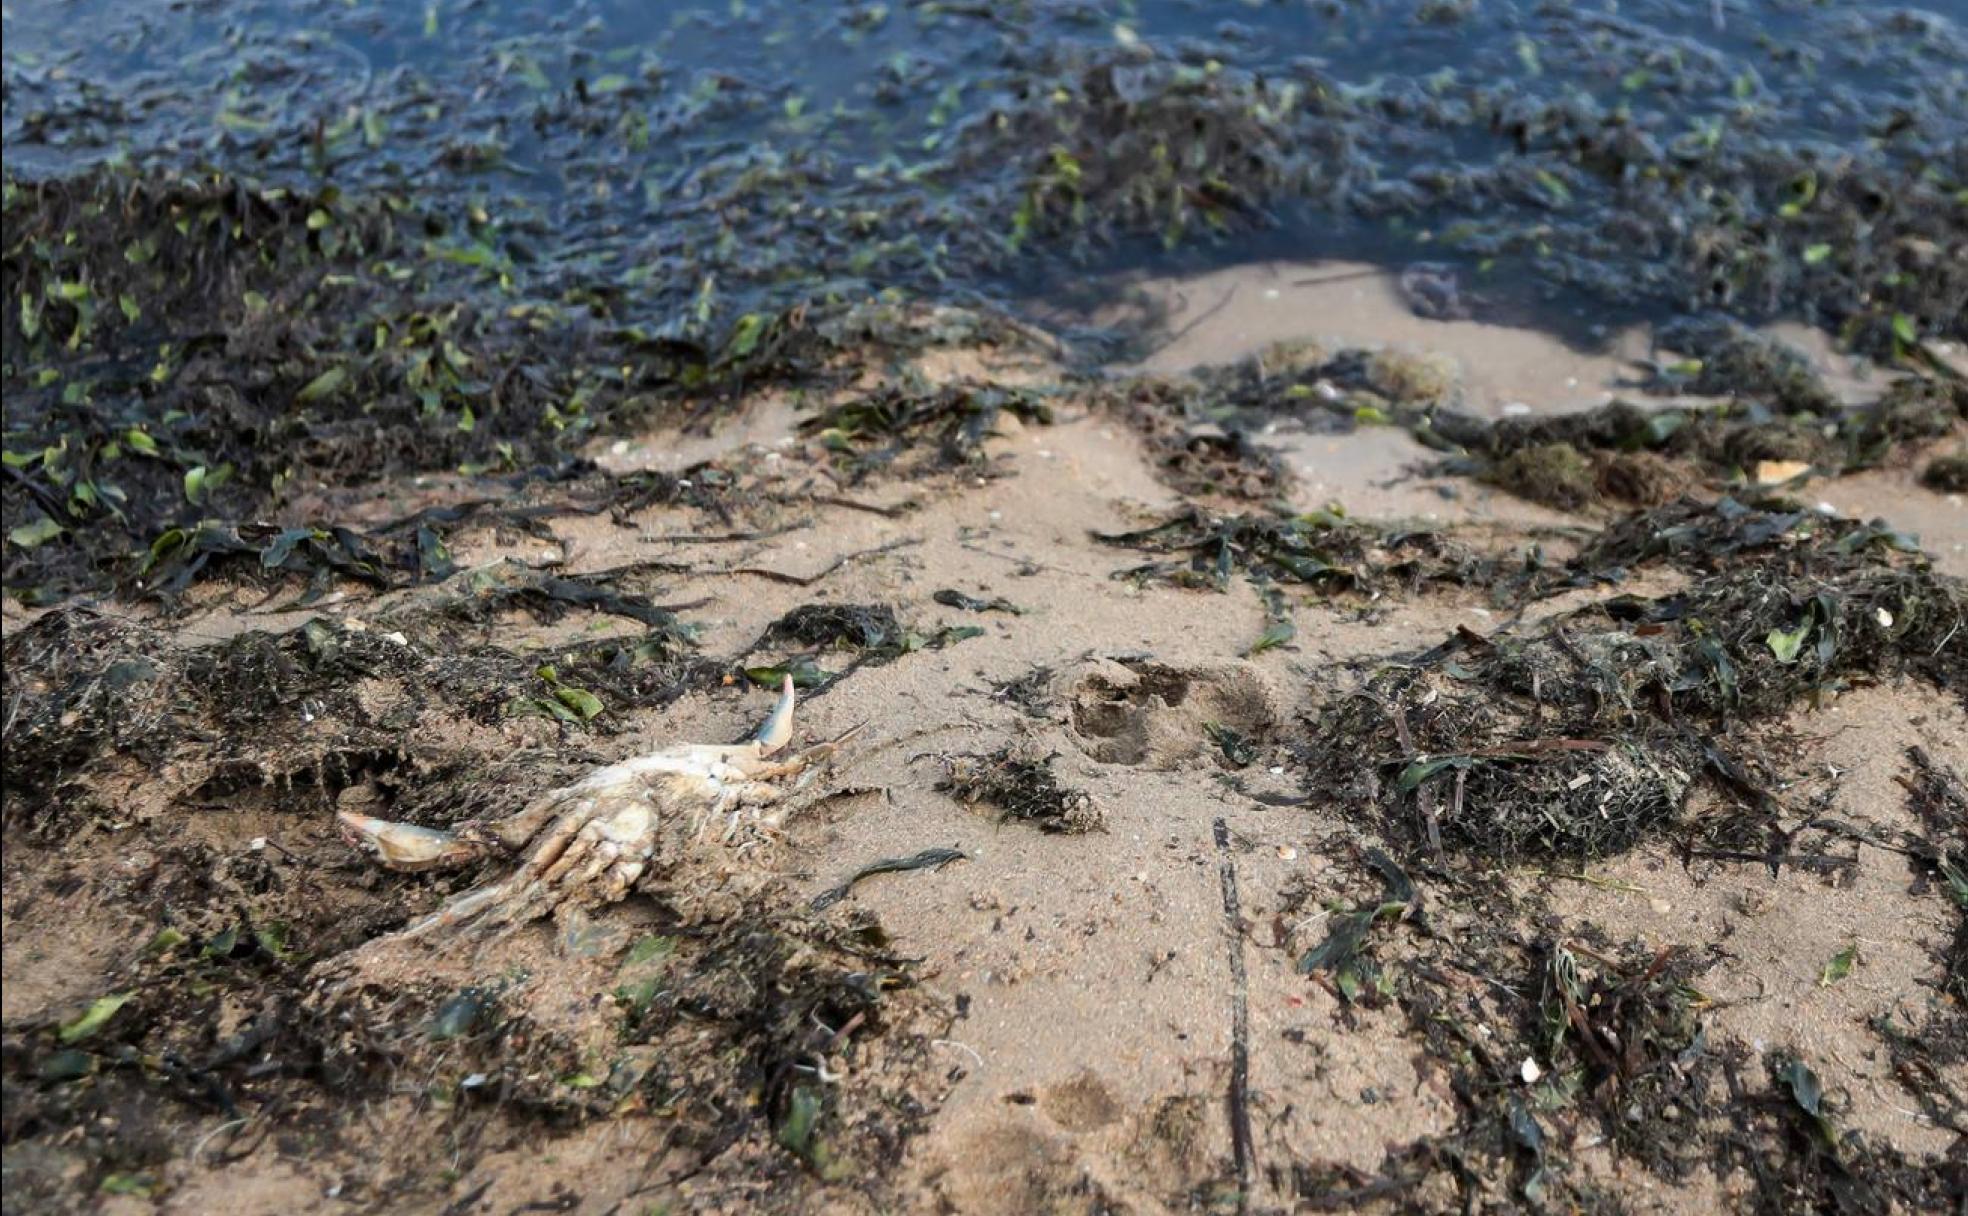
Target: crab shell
{"x": 701, "y": 780}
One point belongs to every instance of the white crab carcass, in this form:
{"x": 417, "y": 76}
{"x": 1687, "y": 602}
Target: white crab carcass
{"x": 592, "y": 840}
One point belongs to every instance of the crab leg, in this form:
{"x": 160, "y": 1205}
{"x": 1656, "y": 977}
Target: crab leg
{"x": 410, "y": 849}
{"x": 761, "y": 771}
{"x": 407, "y": 847}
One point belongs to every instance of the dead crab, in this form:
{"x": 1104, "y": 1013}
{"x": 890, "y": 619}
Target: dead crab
{"x": 593, "y": 839}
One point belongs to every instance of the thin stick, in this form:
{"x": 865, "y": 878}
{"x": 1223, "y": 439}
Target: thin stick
{"x": 1342, "y": 276}
{"x": 1241, "y": 1143}
{"x": 808, "y": 580}
{"x": 1186, "y": 330}
{"x": 895, "y": 512}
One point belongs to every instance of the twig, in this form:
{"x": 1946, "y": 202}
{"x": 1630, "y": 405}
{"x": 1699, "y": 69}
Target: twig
{"x": 198, "y": 1150}
{"x": 1240, "y": 1120}
{"x": 1344, "y": 276}
{"x": 1026, "y": 561}
{"x": 797, "y": 580}
{"x": 726, "y": 538}
{"x": 963, "y": 1047}
{"x": 1604, "y": 884}
{"x": 659, "y": 566}
{"x": 895, "y": 512}
{"x": 1186, "y": 330}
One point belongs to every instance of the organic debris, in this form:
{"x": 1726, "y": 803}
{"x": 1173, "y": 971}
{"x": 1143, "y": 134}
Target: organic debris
{"x": 1623, "y": 454}
{"x": 1726, "y": 358}
{"x": 329, "y": 703}
{"x": 846, "y": 626}
{"x": 1947, "y": 474}
{"x": 928, "y": 859}
{"x": 1022, "y": 787}
{"x": 882, "y": 431}
{"x": 1339, "y": 954}
{"x": 1582, "y": 736}
{"x": 1938, "y": 799}
{"x": 870, "y": 630}
{"x": 1198, "y": 447}
{"x": 1322, "y": 549}
{"x": 952, "y": 598}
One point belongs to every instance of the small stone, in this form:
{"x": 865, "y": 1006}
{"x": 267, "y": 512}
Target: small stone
{"x": 1530, "y": 1071}
{"x": 1661, "y": 907}
{"x": 1884, "y": 618}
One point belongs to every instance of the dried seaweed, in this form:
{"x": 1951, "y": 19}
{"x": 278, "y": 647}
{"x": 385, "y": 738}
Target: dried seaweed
{"x": 1023, "y": 788}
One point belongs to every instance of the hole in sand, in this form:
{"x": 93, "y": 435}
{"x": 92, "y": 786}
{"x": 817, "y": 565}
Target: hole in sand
{"x": 1159, "y": 716}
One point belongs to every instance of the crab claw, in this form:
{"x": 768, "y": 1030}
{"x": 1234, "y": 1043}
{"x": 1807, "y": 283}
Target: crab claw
{"x": 407, "y": 847}
{"x": 777, "y": 730}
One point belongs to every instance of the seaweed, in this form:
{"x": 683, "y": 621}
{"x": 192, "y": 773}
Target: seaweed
{"x": 928, "y": 859}
{"x": 871, "y": 631}
{"x": 1727, "y": 358}
{"x": 1339, "y": 953}
{"x": 1198, "y": 446}
{"x": 1621, "y": 454}
{"x": 883, "y": 429}
{"x": 1946, "y": 474}
{"x": 307, "y": 705}
{"x": 1023, "y": 788}
{"x": 1325, "y": 550}
{"x": 1583, "y": 735}
{"x": 1938, "y": 799}
{"x": 853, "y": 626}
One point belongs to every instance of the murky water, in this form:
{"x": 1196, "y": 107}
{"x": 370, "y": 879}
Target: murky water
{"x": 702, "y": 153}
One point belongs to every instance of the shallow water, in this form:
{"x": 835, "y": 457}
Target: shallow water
{"x": 600, "y": 137}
